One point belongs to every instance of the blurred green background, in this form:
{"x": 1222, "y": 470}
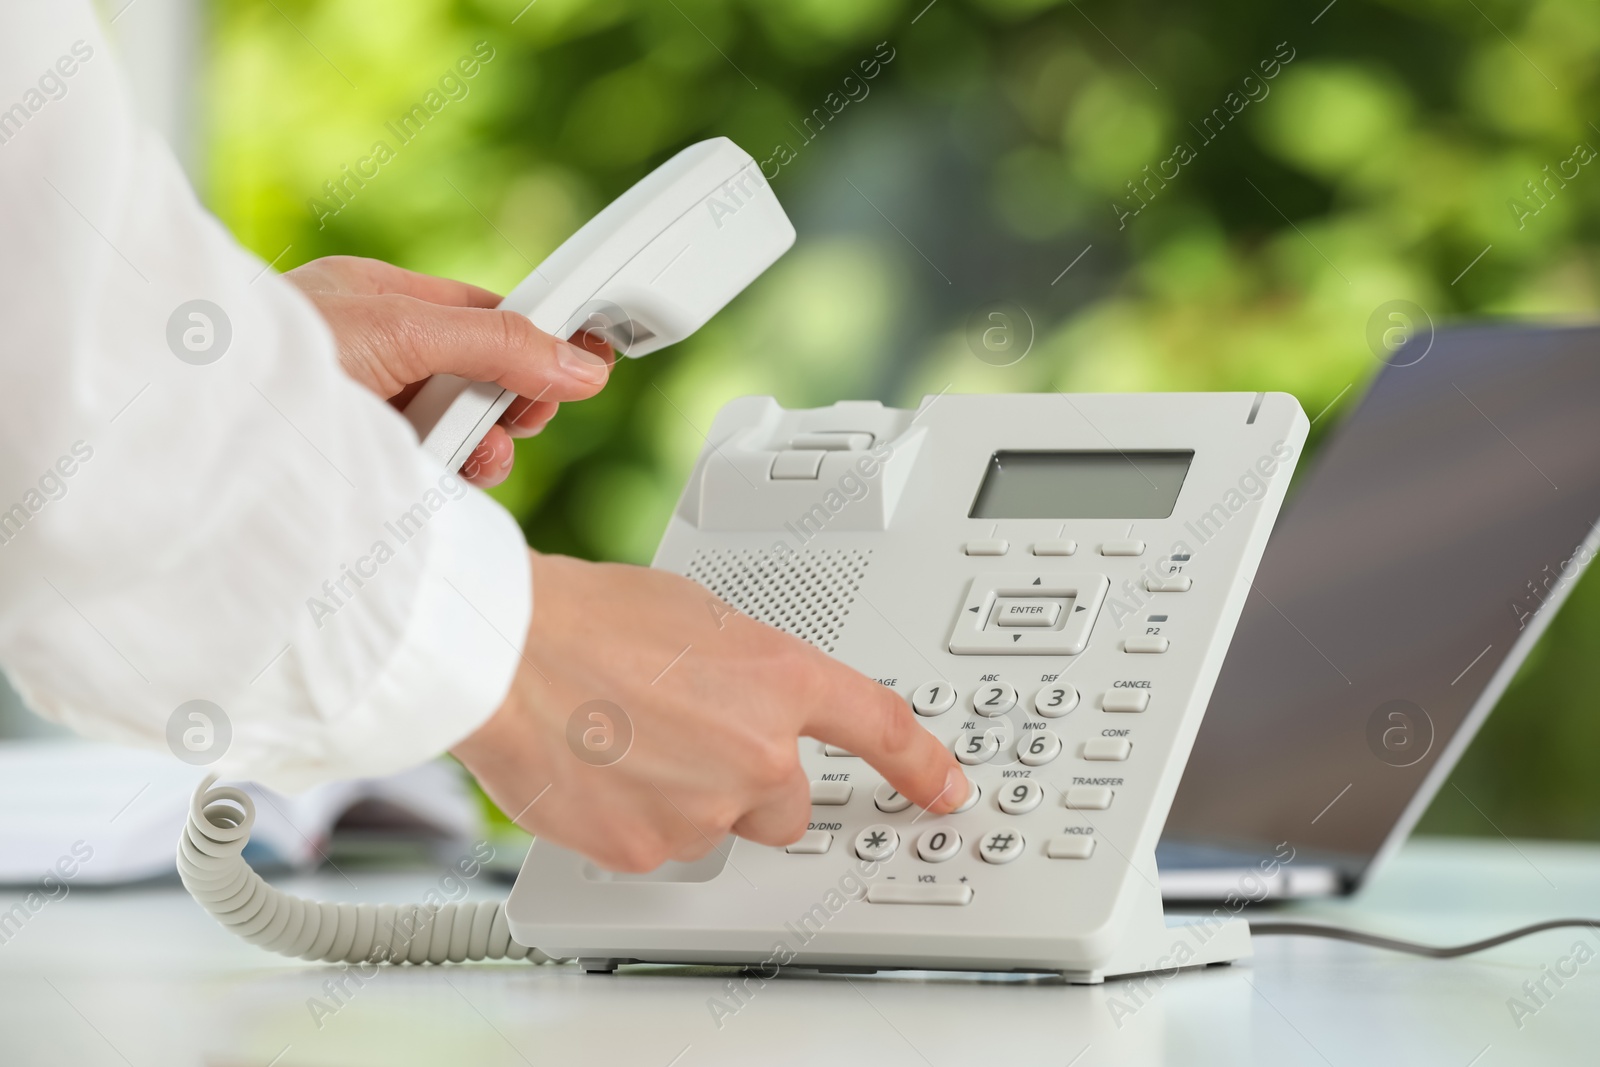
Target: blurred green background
{"x": 1380, "y": 161}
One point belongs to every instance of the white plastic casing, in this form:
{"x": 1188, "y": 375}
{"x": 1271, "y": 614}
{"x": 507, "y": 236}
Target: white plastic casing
{"x": 647, "y": 271}
{"x": 871, "y": 509}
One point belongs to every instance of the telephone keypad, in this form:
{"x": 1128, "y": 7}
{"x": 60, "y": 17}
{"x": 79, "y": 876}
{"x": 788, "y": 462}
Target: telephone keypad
{"x": 974, "y": 791}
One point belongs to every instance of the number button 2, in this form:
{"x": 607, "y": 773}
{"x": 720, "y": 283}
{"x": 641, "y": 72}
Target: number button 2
{"x": 994, "y": 698}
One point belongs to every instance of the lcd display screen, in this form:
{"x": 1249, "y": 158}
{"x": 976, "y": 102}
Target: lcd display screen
{"x": 1081, "y": 485}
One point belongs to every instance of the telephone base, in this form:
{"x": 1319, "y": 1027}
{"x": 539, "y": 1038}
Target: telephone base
{"x": 1179, "y": 943}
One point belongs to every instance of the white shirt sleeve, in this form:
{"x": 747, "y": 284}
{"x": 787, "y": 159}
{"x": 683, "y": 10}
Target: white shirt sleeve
{"x": 207, "y": 508}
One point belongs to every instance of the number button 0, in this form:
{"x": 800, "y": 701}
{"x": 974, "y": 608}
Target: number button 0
{"x": 877, "y": 843}
{"x": 938, "y": 845}
{"x": 1042, "y": 747}
{"x": 1019, "y": 798}
{"x": 994, "y": 698}
{"x": 973, "y": 748}
{"x": 1054, "y": 701}
{"x": 888, "y": 800}
{"x": 933, "y": 698}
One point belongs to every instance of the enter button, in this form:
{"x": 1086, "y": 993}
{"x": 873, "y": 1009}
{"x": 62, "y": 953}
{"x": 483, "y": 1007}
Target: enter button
{"x": 1027, "y": 611}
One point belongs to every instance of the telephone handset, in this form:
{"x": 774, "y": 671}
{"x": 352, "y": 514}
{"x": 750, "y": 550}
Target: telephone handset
{"x": 646, "y": 272}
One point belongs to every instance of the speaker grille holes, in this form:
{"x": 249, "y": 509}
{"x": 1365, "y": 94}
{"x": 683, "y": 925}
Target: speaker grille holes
{"x": 806, "y": 593}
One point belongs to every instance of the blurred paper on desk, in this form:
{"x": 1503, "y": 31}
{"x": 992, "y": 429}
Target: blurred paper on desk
{"x": 113, "y": 815}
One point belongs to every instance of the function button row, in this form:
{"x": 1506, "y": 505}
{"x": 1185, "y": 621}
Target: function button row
{"x": 999, "y": 546}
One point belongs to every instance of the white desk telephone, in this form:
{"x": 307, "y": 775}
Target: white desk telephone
{"x": 1050, "y": 580}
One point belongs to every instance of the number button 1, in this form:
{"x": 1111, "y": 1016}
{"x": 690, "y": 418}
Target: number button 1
{"x": 1054, "y": 701}
{"x": 994, "y": 698}
{"x": 933, "y": 698}
{"x": 1019, "y": 798}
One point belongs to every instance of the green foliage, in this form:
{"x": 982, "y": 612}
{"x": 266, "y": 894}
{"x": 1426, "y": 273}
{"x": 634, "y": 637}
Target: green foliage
{"x": 1370, "y": 155}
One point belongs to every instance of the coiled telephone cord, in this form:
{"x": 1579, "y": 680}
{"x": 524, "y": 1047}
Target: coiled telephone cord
{"x": 214, "y": 872}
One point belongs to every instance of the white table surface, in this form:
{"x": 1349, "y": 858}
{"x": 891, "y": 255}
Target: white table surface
{"x": 144, "y": 977}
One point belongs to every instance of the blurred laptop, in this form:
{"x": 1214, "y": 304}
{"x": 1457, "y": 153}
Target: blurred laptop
{"x": 1423, "y": 551}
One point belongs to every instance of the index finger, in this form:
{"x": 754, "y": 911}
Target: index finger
{"x": 870, "y": 721}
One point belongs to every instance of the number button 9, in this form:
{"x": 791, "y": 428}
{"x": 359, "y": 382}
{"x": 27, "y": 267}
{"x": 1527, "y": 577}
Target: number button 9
{"x": 1054, "y": 701}
{"x": 1019, "y": 798}
{"x": 933, "y": 698}
{"x": 994, "y": 698}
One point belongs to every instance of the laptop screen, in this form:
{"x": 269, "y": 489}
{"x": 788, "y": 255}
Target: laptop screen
{"x": 1406, "y": 579}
